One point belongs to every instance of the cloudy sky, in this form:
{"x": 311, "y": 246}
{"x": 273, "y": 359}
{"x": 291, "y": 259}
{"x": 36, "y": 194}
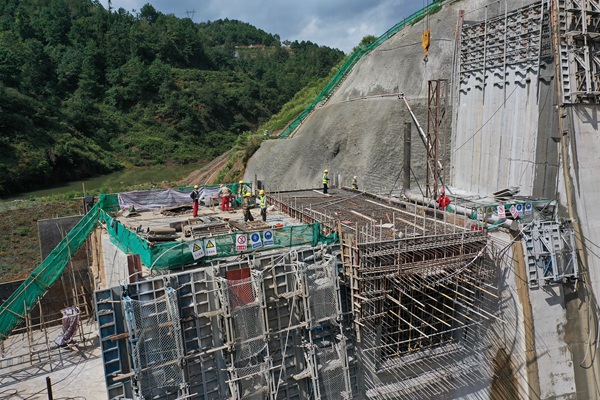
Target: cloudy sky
{"x": 334, "y": 23}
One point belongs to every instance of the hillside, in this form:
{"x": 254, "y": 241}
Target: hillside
{"x": 84, "y": 91}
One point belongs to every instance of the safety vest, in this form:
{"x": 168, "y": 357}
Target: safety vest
{"x": 263, "y": 201}
{"x": 325, "y": 179}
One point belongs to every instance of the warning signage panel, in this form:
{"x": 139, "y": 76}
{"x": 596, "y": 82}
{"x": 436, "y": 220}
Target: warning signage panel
{"x": 268, "y": 238}
{"x": 197, "y": 250}
{"x": 210, "y": 247}
{"x": 501, "y": 211}
{"x": 255, "y": 240}
{"x": 241, "y": 242}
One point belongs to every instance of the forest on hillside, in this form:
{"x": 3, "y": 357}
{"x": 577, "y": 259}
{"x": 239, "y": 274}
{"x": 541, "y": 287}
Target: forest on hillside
{"x": 85, "y": 91}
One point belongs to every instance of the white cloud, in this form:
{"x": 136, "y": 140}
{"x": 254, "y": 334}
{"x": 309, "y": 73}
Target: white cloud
{"x": 334, "y": 23}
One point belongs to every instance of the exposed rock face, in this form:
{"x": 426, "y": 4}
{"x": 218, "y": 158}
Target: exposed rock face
{"x": 359, "y": 131}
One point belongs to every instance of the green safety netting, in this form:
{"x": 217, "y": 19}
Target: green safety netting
{"x": 173, "y": 255}
{"x": 353, "y": 59}
{"x": 159, "y": 256}
{"x": 524, "y": 211}
{"x": 22, "y": 301}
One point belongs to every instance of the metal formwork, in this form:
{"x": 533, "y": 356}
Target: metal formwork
{"x": 262, "y": 327}
{"x": 551, "y": 254}
{"x": 578, "y": 31}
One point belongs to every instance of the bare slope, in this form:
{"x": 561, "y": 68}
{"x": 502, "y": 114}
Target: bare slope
{"x": 359, "y": 132}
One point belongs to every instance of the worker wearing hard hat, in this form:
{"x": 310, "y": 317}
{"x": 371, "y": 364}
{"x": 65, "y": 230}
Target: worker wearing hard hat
{"x": 443, "y": 200}
{"x": 241, "y": 191}
{"x": 246, "y": 207}
{"x": 325, "y": 180}
{"x": 355, "y": 183}
{"x": 263, "y": 205}
{"x": 195, "y": 195}
{"x": 225, "y": 194}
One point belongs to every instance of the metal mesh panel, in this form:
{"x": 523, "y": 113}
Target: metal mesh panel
{"x": 249, "y": 326}
{"x": 323, "y": 298}
{"x": 332, "y": 378}
{"x": 155, "y": 338}
{"x": 253, "y": 382}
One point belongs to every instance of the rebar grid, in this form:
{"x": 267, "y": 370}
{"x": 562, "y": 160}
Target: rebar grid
{"x": 374, "y": 218}
{"x": 419, "y": 305}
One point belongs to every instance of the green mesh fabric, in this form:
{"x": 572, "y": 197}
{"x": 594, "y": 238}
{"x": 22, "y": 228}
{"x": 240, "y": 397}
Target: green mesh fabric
{"x": 22, "y": 301}
{"x": 174, "y": 255}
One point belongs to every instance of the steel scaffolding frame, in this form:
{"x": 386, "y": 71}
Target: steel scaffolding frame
{"x": 437, "y": 102}
{"x": 578, "y": 31}
{"x": 418, "y": 306}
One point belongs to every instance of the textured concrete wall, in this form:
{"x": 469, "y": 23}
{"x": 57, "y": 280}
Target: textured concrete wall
{"x": 359, "y": 132}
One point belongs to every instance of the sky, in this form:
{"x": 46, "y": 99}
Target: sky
{"x": 339, "y": 24}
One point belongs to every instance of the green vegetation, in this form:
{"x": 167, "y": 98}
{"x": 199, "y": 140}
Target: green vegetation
{"x": 85, "y": 92}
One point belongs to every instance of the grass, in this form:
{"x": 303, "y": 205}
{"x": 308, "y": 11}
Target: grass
{"x": 19, "y": 243}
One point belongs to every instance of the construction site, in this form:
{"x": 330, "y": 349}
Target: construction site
{"x": 374, "y": 292}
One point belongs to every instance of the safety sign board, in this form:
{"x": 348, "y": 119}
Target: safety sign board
{"x": 514, "y": 212}
{"x": 520, "y": 209}
{"x": 268, "y": 238}
{"x": 210, "y": 247}
{"x": 501, "y": 211}
{"x": 528, "y": 209}
{"x": 255, "y": 240}
{"x": 197, "y": 250}
{"x": 241, "y": 242}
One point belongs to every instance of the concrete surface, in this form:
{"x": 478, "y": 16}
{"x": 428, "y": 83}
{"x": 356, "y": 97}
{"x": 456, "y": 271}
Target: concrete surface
{"x": 507, "y": 136}
{"x": 75, "y": 374}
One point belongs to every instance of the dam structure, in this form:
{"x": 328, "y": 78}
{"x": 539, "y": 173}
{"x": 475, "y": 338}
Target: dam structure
{"x": 380, "y": 291}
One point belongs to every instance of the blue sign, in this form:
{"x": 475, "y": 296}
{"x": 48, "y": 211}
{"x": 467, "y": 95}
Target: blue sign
{"x": 255, "y": 240}
{"x": 528, "y": 209}
{"x": 520, "y": 209}
{"x": 268, "y": 237}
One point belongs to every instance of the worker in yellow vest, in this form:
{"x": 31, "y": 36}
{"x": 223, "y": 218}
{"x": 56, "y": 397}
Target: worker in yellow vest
{"x": 325, "y": 180}
{"x": 263, "y": 205}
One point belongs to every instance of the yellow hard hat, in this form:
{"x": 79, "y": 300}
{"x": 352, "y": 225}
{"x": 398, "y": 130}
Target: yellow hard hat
{"x": 248, "y": 194}
{"x": 195, "y": 186}
{"x": 240, "y": 182}
{"x": 261, "y": 192}
{"x": 326, "y": 170}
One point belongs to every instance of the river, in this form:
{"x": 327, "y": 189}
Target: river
{"x": 114, "y": 182}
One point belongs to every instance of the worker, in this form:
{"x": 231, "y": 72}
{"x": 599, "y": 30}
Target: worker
{"x": 246, "y": 207}
{"x": 325, "y": 180}
{"x": 443, "y": 200}
{"x": 241, "y": 190}
{"x": 195, "y": 195}
{"x": 263, "y": 205}
{"x": 354, "y": 183}
{"x": 225, "y": 194}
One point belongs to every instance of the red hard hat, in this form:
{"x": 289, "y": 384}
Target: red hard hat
{"x": 442, "y": 191}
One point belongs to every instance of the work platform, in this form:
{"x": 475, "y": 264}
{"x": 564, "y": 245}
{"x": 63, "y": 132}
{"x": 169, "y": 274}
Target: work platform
{"x": 375, "y": 216}
{"x": 388, "y": 288}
